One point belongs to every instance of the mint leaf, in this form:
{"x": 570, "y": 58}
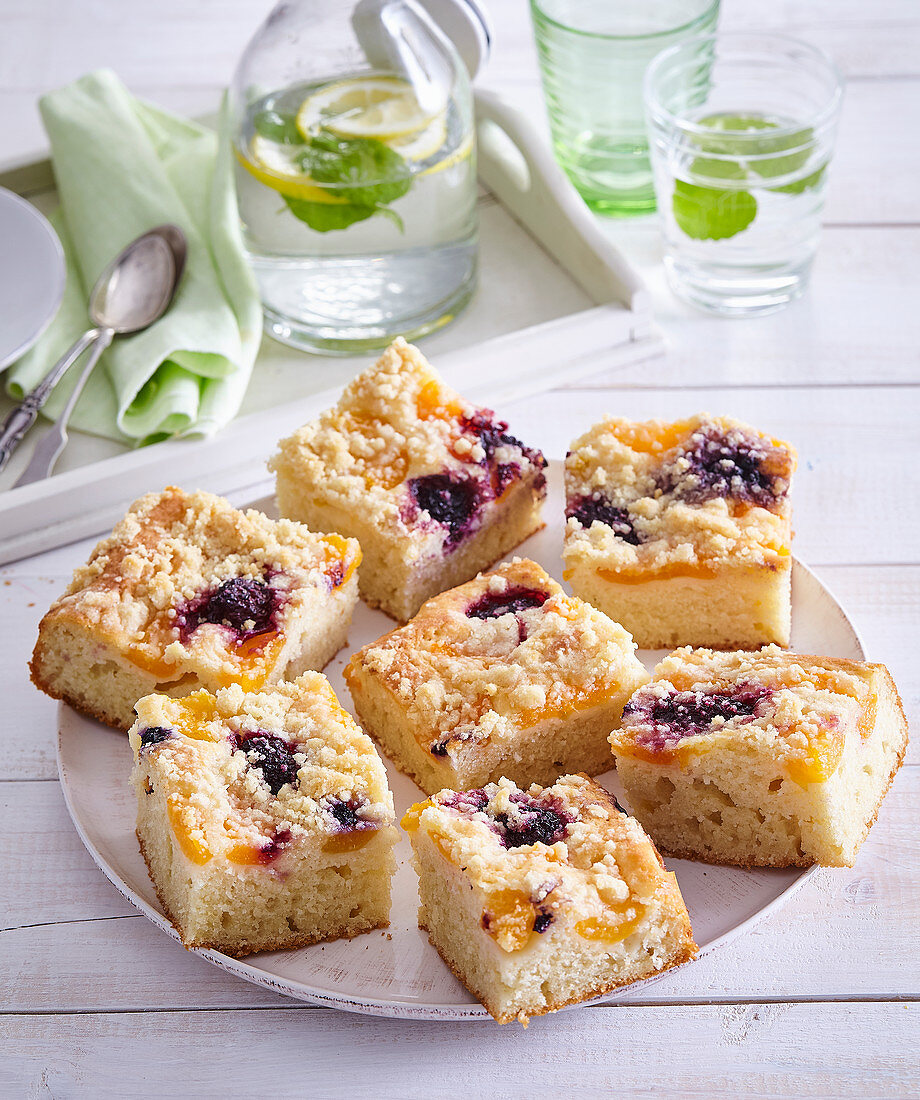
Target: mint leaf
{"x": 747, "y": 138}
{"x": 367, "y": 172}
{"x": 277, "y": 127}
{"x": 326, "y": 216}
{"x": 711, "y": 213}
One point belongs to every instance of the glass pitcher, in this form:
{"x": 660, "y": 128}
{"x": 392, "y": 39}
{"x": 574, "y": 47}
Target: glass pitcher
{"x": 355, "y": 170}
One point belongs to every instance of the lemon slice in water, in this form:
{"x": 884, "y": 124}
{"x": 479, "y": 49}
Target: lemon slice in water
{"x": 276, "y": 166}
{"x": 365, "y": 107}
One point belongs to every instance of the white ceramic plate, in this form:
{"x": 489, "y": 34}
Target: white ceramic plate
{"x": 398, "y": 973}
{"x": 31, "y": 276}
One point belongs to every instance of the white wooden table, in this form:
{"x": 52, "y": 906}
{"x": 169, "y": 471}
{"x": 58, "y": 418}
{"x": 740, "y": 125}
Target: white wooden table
{"x": 822, "y": 998}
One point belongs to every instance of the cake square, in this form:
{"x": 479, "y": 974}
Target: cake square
{"x": 434, "y": 488}
{"x": 505, "y": 675}
{"x": 264, "y": 817}
{"x": 540, "y": 899}
{"x": 766, "y": 759}
{"x": 188, "y": 592}
{"x": 681, "y": 531}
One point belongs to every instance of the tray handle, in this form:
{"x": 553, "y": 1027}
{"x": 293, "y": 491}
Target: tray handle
{"x": 516, "y": 164}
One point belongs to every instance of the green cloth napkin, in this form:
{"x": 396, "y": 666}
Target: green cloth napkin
{"x": 123, "y": 167}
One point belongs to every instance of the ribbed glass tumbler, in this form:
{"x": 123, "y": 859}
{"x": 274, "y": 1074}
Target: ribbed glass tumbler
{"x": 593, "y": 56}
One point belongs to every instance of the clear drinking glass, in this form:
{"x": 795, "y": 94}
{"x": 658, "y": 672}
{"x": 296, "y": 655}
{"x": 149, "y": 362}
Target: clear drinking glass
{"x": 593, "y": 55}
{"x": 355, "y": 172}
{"x": 741, "y": 130}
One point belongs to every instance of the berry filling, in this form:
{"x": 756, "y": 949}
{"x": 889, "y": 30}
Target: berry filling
{"x": 492, "y": 605}
{"x": 450, "y": 501}
{"x": 492, "y": 435}
{"x": 590, "y": 510}
{"x": 530, "y": 821}
{"x": 542, "y": 921}
{"x": 154, "y": 735}
{"x": 686, "y": 713}
{"x": 246, "y": 605}
{"x": 272, "y": 756}
{"x": 345, "y": 814}
{"x": 734, "y": 464}
{"x": 274, "y": 846}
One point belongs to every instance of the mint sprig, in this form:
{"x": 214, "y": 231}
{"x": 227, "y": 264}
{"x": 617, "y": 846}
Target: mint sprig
{"x": 363, "y": 171}
{"x": 714, "y": 213}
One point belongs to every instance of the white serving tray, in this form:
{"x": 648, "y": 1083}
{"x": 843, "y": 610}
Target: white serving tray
{"x": 538, "y": 217}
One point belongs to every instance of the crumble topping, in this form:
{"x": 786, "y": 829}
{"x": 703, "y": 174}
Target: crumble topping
{"x": 546, "y": 857}
{"x": 248, "y": 775}
{"x": 497, "y": 655}
{"x": 652, "y": 496}
{"x": 187, "y": 583}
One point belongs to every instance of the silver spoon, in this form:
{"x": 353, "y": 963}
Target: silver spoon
{"x": 134, "y": 291}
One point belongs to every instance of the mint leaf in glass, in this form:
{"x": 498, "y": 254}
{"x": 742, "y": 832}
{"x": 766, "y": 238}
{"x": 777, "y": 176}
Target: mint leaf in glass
{"x": 325, "y": 216}
{"x": 712, "y": 213}
{"x": 747, "y": 139}
{"x": 277, "y": 127}
{"x": 367, "y": 172}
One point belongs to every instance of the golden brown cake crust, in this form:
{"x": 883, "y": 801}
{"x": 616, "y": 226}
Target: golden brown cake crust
{"x": 505, "y": 675}
{"x": 134, "y": 602}
{"x": 562, "y": 861}
{"x": 434, "y": 487}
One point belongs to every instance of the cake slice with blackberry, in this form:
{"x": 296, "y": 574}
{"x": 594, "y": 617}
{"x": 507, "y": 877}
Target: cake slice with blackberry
{"x": 189, "y": 592}
{"x": 681, "y": 531}
{"x": 542, "y": 898}
{"x": 505, "y": 675}
{"x": 434, "y": 488}
{"x": 766, "y": 759}
{"x": 264, "y": 817}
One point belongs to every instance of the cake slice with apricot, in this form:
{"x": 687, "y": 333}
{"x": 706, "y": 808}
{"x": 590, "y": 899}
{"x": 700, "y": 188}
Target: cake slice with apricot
{"x": 545, "y": 897}
{"x": 681, "y": 531}
{"x": 188, "y": 592}
{"x": 264, "y": 817}
{"x": 435, "y": 488}
{"x": 505, "y": 675}
{"x": 766, "y": 759}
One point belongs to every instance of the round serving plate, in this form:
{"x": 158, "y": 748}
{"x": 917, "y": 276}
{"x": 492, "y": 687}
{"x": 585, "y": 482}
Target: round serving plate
{"x": 31, "y": 276}
{"x": 398, "y": 973}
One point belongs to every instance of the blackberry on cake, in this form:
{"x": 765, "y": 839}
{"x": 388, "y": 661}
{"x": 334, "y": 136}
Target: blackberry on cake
{"x": 264, "y": 817}
{"x": 434, "y": 487}
{"x": 760, "y": 759}
{"x": 681, "y": 531}
{"x": 541, "y": 898}
{"x": 505, "y": 675}
{"x": 189, "y": 592}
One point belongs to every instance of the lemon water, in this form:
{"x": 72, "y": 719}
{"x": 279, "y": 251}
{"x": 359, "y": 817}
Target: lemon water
{"x": 358, "y": 209}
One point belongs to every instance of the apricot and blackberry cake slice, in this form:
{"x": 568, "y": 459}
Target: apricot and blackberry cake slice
{"x": 505, "y": 675}
{"x": 681, "y": 531}
{"x": 264, "y": 817}
{"x": 541, "y": 898}
{"x": 188, "y": 592}
{"x": 434, "y": 488}
{"x": 760, "y": 759}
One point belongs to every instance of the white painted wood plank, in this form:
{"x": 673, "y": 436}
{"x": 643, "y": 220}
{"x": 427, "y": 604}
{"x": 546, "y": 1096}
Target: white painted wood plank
{"x": 827, "y": 1050}
{"x": 844, "y": 934}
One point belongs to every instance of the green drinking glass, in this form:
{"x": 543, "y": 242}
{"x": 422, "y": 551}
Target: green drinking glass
{"x": 593, "y": 56}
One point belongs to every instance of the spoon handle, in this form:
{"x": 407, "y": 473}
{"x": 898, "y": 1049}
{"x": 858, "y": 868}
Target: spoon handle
{"x": 22, "y": 417}
{"x": 54, "y": 440}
